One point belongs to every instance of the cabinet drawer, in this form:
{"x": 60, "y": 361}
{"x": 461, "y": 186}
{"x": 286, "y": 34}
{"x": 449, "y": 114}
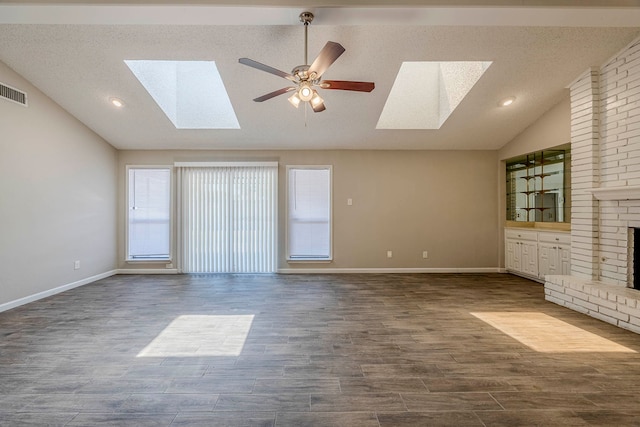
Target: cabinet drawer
{"x": 521, "y": 235}
{"x": 564, "y": 238}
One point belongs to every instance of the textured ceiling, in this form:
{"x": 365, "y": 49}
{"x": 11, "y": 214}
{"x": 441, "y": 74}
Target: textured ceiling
{"x": 80, "y": 66}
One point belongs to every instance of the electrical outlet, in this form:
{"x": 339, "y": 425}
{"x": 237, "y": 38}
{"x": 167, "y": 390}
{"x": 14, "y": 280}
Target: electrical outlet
{"x": 349, "y": 202}
{"x": 425, "y": 254}
{"x": 168, "y": 266}
{"x": 389, "y": 254}
{"x": 76, "y": 265}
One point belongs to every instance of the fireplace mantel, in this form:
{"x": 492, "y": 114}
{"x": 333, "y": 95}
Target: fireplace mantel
{"x": 629, "y": 192}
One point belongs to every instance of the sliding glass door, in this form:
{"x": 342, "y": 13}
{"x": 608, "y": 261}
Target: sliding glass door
{"x": 228, "y": 218}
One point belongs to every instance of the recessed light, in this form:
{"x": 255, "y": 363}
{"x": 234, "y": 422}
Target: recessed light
{"x": 507, "y": 101}
{"x": 117, "y": 102}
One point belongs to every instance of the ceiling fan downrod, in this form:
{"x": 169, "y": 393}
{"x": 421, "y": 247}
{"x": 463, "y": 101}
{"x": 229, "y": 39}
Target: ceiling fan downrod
{"x": 306, "y": 18}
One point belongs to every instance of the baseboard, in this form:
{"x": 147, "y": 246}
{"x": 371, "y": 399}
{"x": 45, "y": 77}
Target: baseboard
{"x": 31, "y": 298}
{"x": 526, "y": 276}
{"x": 147, "y": 271}
{"x": 387, "y": 270}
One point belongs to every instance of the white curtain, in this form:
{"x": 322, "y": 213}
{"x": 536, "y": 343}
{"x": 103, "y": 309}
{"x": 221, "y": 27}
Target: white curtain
{"x": 228, "y": 217}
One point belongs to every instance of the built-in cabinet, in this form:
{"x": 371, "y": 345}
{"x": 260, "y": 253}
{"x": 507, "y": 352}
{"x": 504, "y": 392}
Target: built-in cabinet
{"x": 522, "y": 252}
{"x": 554, "y": 253}
{"x": 535, "y": 254}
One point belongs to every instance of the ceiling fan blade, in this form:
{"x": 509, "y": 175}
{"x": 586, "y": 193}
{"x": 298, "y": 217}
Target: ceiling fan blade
{"x": 274, "y": 94}
{"x": 327, "y": 56}
{"x": 347, "y": 85}
{"x": 318, "y": 107}
{"x": 262, "y": 67}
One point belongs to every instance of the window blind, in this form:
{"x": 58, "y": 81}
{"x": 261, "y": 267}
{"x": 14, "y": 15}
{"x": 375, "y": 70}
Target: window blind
{"x": 309, "y": 213}
{"x": 228, "y": 219}
{"x": 149, "y": 210}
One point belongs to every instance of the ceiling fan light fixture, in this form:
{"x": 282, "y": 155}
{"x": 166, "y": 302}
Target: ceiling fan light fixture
{"x": 294, "y": 100}
{"x": 317, "y": 103}
{"x": 305, "y": 92}
{"x": 316, "y": 99}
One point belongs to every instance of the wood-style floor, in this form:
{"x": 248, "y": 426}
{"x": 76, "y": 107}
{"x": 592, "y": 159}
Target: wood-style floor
{"x": 314, "y": 350}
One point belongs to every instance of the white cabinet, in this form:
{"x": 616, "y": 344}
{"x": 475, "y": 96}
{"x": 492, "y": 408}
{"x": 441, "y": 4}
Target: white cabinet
{"x": 535, "y": 254}
{"x": 513, "y": 255}
{"x": 522, "y": 252}
{"x": 529, "y": 253}
{"x": 555, "y": 254}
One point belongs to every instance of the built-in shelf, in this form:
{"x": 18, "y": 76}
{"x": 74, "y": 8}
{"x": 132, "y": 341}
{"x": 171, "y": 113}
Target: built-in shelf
{"x": 629, "y": 192}
{"x": 537, "y": 186}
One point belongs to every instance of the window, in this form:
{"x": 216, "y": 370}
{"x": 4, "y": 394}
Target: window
{"x": 309, "y": 212}
{"x": 148, "y": 213}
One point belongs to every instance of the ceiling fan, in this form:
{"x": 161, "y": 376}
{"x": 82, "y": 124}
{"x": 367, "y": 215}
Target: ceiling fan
{"x": 306, "y": 77}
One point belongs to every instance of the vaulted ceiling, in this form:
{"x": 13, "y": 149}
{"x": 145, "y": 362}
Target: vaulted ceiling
{"x": 75, "y": 53}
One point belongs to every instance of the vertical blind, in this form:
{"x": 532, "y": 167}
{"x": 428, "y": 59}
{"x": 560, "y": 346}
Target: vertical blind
{"x": 309, "y": 204}
{"x": 149, "y": 213}
{"x": 228, "y": 218}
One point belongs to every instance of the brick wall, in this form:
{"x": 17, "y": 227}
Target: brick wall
{"x": 585, "y": 102}
{"x": 612, "y": 304}
{"x": 605, "y": 148}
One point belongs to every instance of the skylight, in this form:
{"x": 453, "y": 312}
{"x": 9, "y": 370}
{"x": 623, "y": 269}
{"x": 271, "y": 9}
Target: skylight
{"x": 191, "y": 93}
{"x": 425, "y": 94}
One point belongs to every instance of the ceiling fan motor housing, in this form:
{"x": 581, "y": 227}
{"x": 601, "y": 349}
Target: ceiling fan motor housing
{"x": 302, "y": 73}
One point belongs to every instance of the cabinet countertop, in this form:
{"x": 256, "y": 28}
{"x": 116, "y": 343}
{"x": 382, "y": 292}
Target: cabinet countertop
{"x": 538, "y": 230}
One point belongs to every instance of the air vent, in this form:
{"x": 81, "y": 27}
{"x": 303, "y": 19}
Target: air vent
{"x": 13, "y": 94}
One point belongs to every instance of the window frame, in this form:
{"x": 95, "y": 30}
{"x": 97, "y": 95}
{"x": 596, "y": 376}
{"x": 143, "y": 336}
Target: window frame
{"x": 328, "y": 259}
{"x": 127, "y": 256}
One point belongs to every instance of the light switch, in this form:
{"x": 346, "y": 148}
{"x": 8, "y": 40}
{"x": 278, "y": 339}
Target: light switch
{"x": 349, "y": 202}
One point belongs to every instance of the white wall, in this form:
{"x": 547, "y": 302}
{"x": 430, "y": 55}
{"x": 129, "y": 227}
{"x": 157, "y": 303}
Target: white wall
{"x": 444, "y": 202}
{"x": 57, "y": 198}
{"x": 553, "y": 128}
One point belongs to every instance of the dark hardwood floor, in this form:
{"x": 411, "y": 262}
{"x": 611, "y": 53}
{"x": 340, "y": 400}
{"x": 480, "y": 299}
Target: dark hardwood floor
{"x": 314, "y": 350}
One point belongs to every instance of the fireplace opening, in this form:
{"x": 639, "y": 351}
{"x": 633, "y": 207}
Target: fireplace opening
{"x": 635, "y": 249}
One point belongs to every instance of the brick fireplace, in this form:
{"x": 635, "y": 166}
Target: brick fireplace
{"x": 605, "y": 170}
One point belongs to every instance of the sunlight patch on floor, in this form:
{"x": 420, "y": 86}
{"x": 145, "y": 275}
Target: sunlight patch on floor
{"x": 547, "y": 334}
{"x": 201, "y": 335}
